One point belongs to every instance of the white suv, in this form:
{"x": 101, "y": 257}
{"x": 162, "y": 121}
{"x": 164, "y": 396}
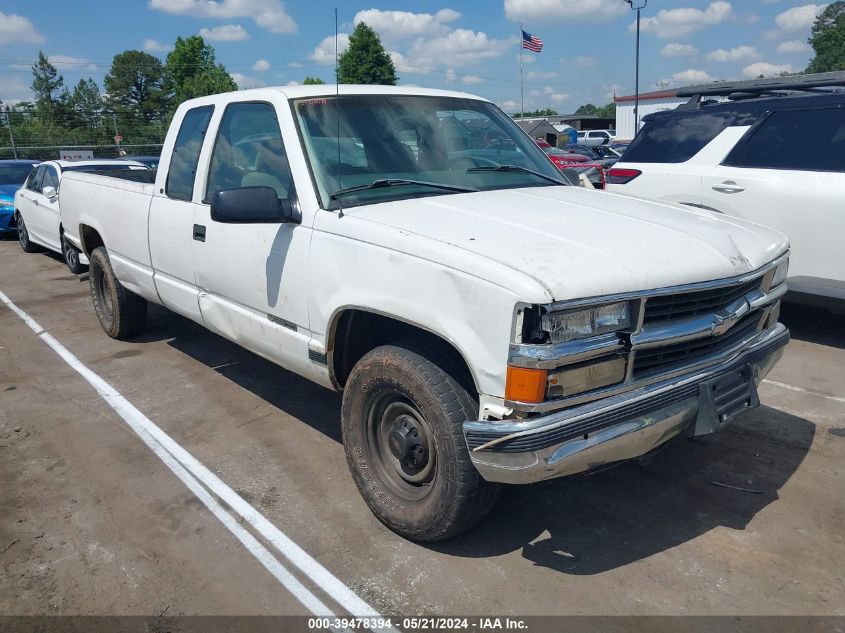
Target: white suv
{"x": 774, "y": 158}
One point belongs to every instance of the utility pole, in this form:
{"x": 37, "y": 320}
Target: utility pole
{"x": 11, "y": 134}
{"x": 637, "y": 8}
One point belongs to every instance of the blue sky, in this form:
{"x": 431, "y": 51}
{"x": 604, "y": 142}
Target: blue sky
{"x": 464, "y": 45}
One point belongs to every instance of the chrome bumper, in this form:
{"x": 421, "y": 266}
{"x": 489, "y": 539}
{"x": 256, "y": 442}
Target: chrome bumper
{"x": 624, "y": 426}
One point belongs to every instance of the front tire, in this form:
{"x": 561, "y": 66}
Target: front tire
{"x": 121, "y": 313}
{"x": 71, "y": 256}
{"x": 27, "y": 244}
{"x": 402, "y": 422}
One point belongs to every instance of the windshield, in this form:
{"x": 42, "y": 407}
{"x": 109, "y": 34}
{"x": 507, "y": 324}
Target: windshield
{"x": 14, "y": 174}
{"x": 429, "y": 140}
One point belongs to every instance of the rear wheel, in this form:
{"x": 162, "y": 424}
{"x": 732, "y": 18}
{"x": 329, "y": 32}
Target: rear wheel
{"x": 402, "y": 432}
{"x": 23, "y": 236}
{"x": 71, "y": 255}
{"x": 121, "y": 313}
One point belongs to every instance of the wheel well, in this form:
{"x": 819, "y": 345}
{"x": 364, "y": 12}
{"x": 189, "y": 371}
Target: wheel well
{"x": 90, "y": 239}
{"x": 357, "y": 332}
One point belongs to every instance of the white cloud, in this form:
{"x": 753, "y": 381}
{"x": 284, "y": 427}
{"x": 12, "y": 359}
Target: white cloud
{"x": 16, "y": 28}
{"x": 451, "y": 75}
{"x": 245, "y": 82}
{"x": 261, "y": 65}
{"x": 679, "y": 50}
{"x": 472, "y": 79}
{"x": 268, "y": 14}
{"x": 293, "y": 83}
{"x": 460, "y": 47}
{"x": 225, "y": 33}
{"x": 154, "y": 46}
{"x": 294, "y": 65}
{"x": 692, "y": 76}
{"x": 539, "y": 74}
{"x": 799, "y": 18}
{"x": 66, "y": 62}
{"x": 558, "y": 97}
{"x": 395, "y": 27}
{"x": 324, "y": 51}
{"x": 673, "y": 23}
{"x": 740, "y": 53}
{"x": 584, "y": 61}
{"x": 794, "y": 46}
{"x": 766, "y": 69}
{"x": 544, "y": 11}
{"x": 508, "y": 105}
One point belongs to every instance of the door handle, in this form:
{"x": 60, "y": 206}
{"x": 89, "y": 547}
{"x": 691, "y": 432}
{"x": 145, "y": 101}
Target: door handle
{"x": 199, "y": 232}
{"x": 728, "y": 187}
{"x": 35, "y": 202}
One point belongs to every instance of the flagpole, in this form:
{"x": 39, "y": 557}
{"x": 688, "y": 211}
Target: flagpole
{"x": 521, "y": 79}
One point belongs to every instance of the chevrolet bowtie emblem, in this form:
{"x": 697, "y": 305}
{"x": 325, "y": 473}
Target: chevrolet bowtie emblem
{"x": 725, "y": 319}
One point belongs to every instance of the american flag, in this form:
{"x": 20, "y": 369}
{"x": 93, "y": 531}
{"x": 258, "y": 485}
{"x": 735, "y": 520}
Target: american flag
{"x": 531, "y": 42}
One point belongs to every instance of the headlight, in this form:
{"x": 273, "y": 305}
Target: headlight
{"x": 781, "y": 273}
{"x": 577, "y": 324}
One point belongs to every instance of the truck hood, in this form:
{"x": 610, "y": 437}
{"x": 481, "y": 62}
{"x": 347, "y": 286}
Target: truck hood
{"x": 578, "y": 243}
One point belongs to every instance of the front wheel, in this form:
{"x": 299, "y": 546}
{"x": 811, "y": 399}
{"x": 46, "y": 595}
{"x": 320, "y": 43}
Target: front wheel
{"x": 71, "y": 255}
{"x": 23, "y": 236}
{"x": 120, "y": 312}
{"x": 402, "y": 422}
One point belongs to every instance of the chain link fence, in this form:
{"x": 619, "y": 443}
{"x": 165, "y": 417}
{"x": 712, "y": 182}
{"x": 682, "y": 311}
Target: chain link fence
{"x": 79, "y": 152}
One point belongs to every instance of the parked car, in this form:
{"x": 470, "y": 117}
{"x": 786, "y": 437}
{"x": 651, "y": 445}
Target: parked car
{"x": 13, "y": 173}
{"x": 149, "y": 161}
{"x": 486, "y": 322}
{"x": 37, "y": 215}
{"x": 562, "y": 158}
{"x": 594, "y": 137}
{"x": 620, "y": 146}
{"x": 769, "y": 157}
{"x": 542, "y": 143}
{"x": 601, "y": 155}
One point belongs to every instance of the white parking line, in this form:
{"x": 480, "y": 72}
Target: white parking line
{"x": 818, "y": 394}
{"x": 194, "y": 475}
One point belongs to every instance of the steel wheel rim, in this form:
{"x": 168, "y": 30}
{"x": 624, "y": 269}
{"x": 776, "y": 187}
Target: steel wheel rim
{"x": 411, "y": 476}
{"x": 70, "y": 254}
{"x": 105, "y": 295}
{"x": 23, "y": 236}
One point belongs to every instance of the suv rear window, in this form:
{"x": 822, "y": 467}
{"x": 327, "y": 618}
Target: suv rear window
{"x": 675, "y": 139}
{"x": 809, "y": 140}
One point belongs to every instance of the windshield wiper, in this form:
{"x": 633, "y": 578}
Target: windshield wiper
{"x": 400, "y": 182}
{"x": 517, "y": 168}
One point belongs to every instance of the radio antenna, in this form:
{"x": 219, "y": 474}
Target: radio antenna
{"x": 337, "y": 114}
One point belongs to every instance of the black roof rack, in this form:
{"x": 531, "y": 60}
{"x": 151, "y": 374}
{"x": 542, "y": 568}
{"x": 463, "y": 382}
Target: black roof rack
{"x": 765, "y": 87}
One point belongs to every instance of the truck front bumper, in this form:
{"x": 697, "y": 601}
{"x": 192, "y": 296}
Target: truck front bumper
{"x": 624, "y": 426}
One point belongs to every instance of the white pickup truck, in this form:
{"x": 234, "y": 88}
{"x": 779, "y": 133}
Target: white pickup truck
{"x": 486, "y": 322}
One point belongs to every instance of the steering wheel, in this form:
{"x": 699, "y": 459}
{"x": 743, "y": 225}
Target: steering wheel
{"x": 472, "y": 161}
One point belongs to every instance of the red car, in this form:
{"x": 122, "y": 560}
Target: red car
{"x": 561, "y": 158}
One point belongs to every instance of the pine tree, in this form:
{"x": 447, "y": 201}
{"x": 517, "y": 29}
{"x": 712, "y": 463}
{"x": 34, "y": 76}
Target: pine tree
{"x": 366, "y": 61}
{"x": 828, "y": 39}
{"x": 47, "y": 83}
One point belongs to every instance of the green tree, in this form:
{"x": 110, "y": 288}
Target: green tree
{"x": 87, "y": 103}
{"x": 194, "y": 72}
{"x": 136, "y": 86}
{"x": 312, "y": 81}
{"x": 587, "y": 109}
{"x": 365, "y": 61}
{"x": 539, "y": 113}
{"x": 607, "y": 111}
{"x": 828, "y": 39}
{"x": 47, "y": 83}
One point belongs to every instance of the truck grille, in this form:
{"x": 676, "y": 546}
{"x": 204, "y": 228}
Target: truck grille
{"x": 661, "y": 359}
{"x": 684, "y": 305}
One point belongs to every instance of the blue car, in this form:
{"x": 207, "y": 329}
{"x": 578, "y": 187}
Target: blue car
{"x": 13, "y": 173}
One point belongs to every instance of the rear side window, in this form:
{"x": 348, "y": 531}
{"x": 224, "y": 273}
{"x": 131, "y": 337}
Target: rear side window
{"x": 51, "y": 179}
{"x": 809, "y": 140}
{"x": 186, "y": 153}
{"x": 675, "y": 139}
{"x": 33, "y": 183}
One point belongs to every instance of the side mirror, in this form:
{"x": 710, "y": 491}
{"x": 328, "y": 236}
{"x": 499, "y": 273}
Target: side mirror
{"x": 252, "y": 205}
{"x": 49, "y": 192}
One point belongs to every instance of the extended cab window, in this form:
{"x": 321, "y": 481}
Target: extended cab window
{"x": 675, "y": 139}
{"x": 249, "y": 152}
{"x": 810, "y": 140}
{"x": 186, "y": 153}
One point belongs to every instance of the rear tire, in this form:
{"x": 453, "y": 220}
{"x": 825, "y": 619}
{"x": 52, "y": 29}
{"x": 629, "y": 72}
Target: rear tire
{"x": 23, "y": 236}
{"x": 71, "y": 256}
{"x": 402, "y": 429}
{"x": 121, "y": 313}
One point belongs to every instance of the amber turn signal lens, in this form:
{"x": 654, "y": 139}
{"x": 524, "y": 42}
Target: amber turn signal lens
{"x": 526, "y": 385}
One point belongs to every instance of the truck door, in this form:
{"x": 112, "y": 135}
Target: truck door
{"x": 171, "y": 225}
{"x": 252, "y": 277}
